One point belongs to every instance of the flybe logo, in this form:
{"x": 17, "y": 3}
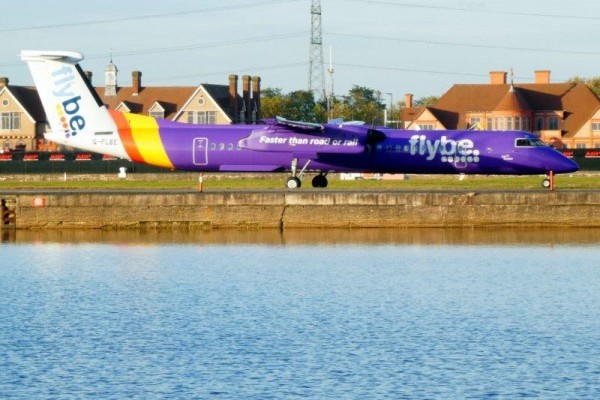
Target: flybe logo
{"x": 63, "y": 80}
{"x": 451, "y": 151}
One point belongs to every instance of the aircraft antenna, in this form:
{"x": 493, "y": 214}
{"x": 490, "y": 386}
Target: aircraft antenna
{"x": 316, "y": 74}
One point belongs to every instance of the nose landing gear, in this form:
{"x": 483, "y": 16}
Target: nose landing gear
{"x": 548, "y": 182}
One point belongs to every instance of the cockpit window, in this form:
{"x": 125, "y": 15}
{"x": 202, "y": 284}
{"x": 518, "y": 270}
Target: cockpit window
{"x": 528, "y": 142}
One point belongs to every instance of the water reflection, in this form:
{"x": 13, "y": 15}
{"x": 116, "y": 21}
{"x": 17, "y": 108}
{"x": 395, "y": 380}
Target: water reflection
{"x": 409, "y": 236}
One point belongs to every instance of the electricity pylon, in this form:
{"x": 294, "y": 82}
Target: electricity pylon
{"x": 316, "y": 74}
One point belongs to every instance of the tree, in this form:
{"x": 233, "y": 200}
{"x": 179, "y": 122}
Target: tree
{"x": 298, "y": 106}
{"x": 362, "y": 104}
{"x": 428, "y": 101}
{"x": 272, "y": 102}
{"x": 593, "y": 83}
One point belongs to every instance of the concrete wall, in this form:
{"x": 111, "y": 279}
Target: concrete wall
{"x": 252, "y": 210}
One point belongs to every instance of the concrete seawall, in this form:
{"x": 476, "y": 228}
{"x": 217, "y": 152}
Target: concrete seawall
{"x": 310, "y": 209}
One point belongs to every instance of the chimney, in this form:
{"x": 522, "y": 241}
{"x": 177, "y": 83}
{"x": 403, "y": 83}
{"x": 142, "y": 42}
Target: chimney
{"x": 3, "y": 81}
{"x": 497, "y": 78}
{"x": 233, "y": 105}
{"x": 136, "y": 82}
{"x": 88, "y": 75}
{"x": 246, "y": 95}
{"x": 256, "y": 96}
{"x": 408, "y": 100}
{"x": 542, "y": 76}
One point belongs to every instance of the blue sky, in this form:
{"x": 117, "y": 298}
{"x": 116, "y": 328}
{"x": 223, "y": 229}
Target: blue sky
{"x": 394, "y": 46}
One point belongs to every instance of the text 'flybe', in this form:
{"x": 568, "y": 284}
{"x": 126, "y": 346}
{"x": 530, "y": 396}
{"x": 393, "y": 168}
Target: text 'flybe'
{"x": 449, "y": 150}
{"x": 63, "y": 80}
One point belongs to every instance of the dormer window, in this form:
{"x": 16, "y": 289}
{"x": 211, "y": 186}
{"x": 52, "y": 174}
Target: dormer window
{"x": 123, "y": 108}
{"x": 157, "y": 111}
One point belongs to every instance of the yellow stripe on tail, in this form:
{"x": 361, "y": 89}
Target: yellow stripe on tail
{"x": 145, "y": 134}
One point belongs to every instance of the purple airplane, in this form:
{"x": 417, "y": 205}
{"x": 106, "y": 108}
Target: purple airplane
{"x": 79, "y": 119}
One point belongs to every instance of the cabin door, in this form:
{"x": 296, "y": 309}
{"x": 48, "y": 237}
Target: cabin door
{"x": 200, "y": 151}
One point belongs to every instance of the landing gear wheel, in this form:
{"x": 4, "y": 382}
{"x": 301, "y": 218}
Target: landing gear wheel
{"x": 293, "y": 183}
{"x": 546, "y": 183}
{"x": 320, "y": 181}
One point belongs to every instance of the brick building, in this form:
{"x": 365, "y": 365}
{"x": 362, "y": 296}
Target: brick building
{"x": 563, "y": 114}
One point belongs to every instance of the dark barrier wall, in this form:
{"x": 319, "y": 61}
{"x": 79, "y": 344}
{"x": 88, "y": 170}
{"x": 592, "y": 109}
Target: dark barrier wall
{"x": 588, "y": 160}
{"x": 85, "y": 163}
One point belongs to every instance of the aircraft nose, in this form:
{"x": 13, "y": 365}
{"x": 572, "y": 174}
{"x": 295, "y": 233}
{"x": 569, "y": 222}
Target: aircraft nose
{"x": 562, "y": 165}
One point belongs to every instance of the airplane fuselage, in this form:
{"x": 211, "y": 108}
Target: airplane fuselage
{"x": 346, "y": 148}
{"x": 79, "y": 119}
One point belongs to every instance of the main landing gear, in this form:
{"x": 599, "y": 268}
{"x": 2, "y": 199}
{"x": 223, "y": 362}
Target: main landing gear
{"x": 295, "y": 181}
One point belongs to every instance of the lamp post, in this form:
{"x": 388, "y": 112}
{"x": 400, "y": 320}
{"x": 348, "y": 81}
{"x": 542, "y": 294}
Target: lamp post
{"x": 391, "y": 119}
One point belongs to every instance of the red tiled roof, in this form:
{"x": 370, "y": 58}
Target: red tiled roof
{"x": 576, "y": 99}
{"x": 173, "y": 97}
{"x": 513, "y": 101}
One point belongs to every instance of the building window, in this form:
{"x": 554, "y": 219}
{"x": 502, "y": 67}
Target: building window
{"x": 6, "y": 145}
{"x": 426, "y": 127}
{"x": 509, "y": 123}
{"x": 10, "y": 121}
{"x": 500, "y": 124}
{"x": 553, "y": 122}
{"x": 157, "y": 114}
{"x": 517, "y": 123}
{"x": 581, "y": 146}
{"x": 526, "y": 123}
{"x": 596, "y": 126}
{"x": 539, "y": 123}
{"x": 490, "y": 124}
{"x": 202, "y": 117}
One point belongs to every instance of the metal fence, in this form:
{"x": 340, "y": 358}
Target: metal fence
{"x": 89, "y": 163}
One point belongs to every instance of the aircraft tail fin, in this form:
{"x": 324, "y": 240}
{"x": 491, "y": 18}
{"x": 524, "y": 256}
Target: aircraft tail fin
{"x": 76, "y": 114}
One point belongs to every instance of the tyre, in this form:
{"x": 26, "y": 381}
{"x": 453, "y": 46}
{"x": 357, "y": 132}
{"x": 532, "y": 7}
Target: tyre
{"x": 546, "y": 183}
{"x": 293, "y": 183}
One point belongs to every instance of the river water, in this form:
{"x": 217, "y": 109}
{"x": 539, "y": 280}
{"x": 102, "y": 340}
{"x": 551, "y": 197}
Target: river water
{"x": 332, "y": 314}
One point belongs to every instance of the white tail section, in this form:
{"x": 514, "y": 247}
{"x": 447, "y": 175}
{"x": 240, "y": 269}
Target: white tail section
{"x": 77, "y": 116}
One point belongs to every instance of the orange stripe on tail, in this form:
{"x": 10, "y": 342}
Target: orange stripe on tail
{"x": 126, "y": 136}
